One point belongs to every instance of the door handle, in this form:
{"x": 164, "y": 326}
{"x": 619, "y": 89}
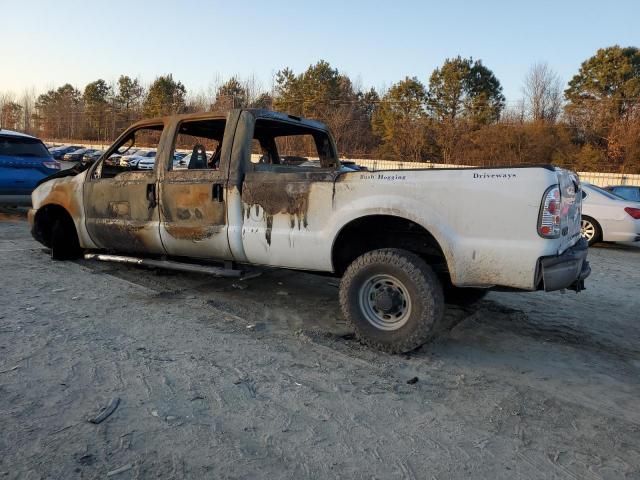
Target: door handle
{"x": 217, "y": 192}
{"x": 151, "y": 195}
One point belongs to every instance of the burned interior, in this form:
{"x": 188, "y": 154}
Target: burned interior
{"x": 280, "y": 146}
{"x": 201, "y": 140}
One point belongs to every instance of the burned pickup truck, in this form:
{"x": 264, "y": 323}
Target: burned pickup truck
{"x": 261, "y": 188}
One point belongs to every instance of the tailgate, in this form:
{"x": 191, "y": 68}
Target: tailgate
{"x": 571, "y": 208}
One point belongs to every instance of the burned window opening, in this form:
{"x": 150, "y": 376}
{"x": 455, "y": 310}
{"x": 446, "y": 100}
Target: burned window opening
{"x": 198, "y": 145}
{"x": 126, "y": 155}
{"x": 283, "y": 147}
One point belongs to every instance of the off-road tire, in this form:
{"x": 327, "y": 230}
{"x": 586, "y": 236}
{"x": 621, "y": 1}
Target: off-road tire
{"x": 64, "y": 240}
{"x": 421, "y": 285}
{"x": 463, "y": 296}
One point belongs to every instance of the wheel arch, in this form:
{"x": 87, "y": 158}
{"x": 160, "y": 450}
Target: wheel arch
{"x": 44, "y": 219}
{"x": 375, "y": 231}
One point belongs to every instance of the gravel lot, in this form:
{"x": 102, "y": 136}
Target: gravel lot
{"x": 260, "y": 379}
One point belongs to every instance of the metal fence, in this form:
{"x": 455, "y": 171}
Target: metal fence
{"x": 394, "y": 165}
{"x": 601, "y": 179}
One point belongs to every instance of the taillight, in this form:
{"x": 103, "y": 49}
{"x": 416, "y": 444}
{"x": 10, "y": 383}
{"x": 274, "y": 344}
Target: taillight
{"x": 634, "y": 212}
{"x": 53, "y": 165}
{"x": 549, "y": 218}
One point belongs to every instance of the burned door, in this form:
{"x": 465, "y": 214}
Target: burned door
{"x": 286, "y": 194}
{"x": 120, "y": 200}
{"x": 193, "y": 191}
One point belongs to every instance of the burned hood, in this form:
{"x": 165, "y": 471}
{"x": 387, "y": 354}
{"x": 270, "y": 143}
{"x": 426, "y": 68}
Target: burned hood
{"x": 69, "y": 172}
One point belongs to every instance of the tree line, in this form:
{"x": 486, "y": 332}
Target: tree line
{"x": 459, "y": 116}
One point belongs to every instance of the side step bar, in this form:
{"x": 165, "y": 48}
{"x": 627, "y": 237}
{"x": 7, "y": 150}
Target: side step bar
{"x": 172, "y": 265}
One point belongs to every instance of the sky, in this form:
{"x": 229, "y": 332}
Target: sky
{"x": 47, "y": 43}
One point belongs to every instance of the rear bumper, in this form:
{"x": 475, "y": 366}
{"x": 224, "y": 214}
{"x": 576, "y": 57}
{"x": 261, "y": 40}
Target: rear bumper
{"x": 567, "y": 270}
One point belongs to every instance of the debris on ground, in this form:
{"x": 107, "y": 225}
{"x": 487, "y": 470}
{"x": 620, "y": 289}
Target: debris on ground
{"x": 10, "y": 369}
{"x": 106, "y": 413}
{"x": 514, "y": 383}
{"x": 122, "y": 469}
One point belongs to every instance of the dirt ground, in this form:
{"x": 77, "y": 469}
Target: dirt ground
{"x": 260, "y": 379}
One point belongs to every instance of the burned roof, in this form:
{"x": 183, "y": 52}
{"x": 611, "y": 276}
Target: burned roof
{"x": 256, "y": 112}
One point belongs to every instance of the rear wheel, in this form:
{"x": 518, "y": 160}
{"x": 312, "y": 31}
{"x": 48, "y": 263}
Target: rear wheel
{"x": 392, "y": 299}
{"x": 64, "y": 240}
{"x": 590, "y": 230}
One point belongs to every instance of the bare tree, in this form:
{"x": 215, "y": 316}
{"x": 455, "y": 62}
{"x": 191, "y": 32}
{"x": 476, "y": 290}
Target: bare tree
{"x": 515, "y": 114}
{"x": 543, "y": 93}
{"x": 28, "y": 101}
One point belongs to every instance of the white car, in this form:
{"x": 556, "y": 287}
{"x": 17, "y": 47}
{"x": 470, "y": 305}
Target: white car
{"x": 132, "y": 160}
{"x": 607, "y": 217}
{"x": 146, "y": 163}
{"x": 123, "y": 160}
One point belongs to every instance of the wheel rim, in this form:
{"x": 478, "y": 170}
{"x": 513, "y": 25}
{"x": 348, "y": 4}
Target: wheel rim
{"x": 588, "y": 230}
{"x": 385, "y": 303}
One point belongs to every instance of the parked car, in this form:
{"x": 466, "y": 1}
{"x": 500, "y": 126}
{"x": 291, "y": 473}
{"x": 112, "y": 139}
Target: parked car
{"x": 402, "y": 241}
{"x": 607, "y": 217}
{"x": 146, "y": 163}
{"x": 628, "y": 192}
{"x": 115, "y": 158}
{"x": 59, "y": 152}
{"x": 24, "y": 161}
{"x": 78, "y": 155}
{"x": 92, "y": 157}
{"x": 131, "y": 160}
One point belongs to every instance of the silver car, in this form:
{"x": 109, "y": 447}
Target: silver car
{"x": 607, "y": 217}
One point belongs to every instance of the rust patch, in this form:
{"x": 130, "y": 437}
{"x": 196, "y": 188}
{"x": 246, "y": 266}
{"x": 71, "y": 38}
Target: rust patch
{"x": 191, "y": 232}
{"x": 126, "y": 178}
{"x": 183, "y": 214}
{"x": 65, "y": 193}
{"x": 190, "y": 211}
{"x": 125, "y": 237}
{"x": 189, "y": 196}
{"x": 119, "y": 210}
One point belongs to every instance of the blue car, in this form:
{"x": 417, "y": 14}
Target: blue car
{"x": 24, "y": 161}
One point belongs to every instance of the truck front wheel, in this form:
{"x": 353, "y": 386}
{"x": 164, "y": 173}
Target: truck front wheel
{"x": 392, "y": 299}
{"x": 64, "y": 240}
